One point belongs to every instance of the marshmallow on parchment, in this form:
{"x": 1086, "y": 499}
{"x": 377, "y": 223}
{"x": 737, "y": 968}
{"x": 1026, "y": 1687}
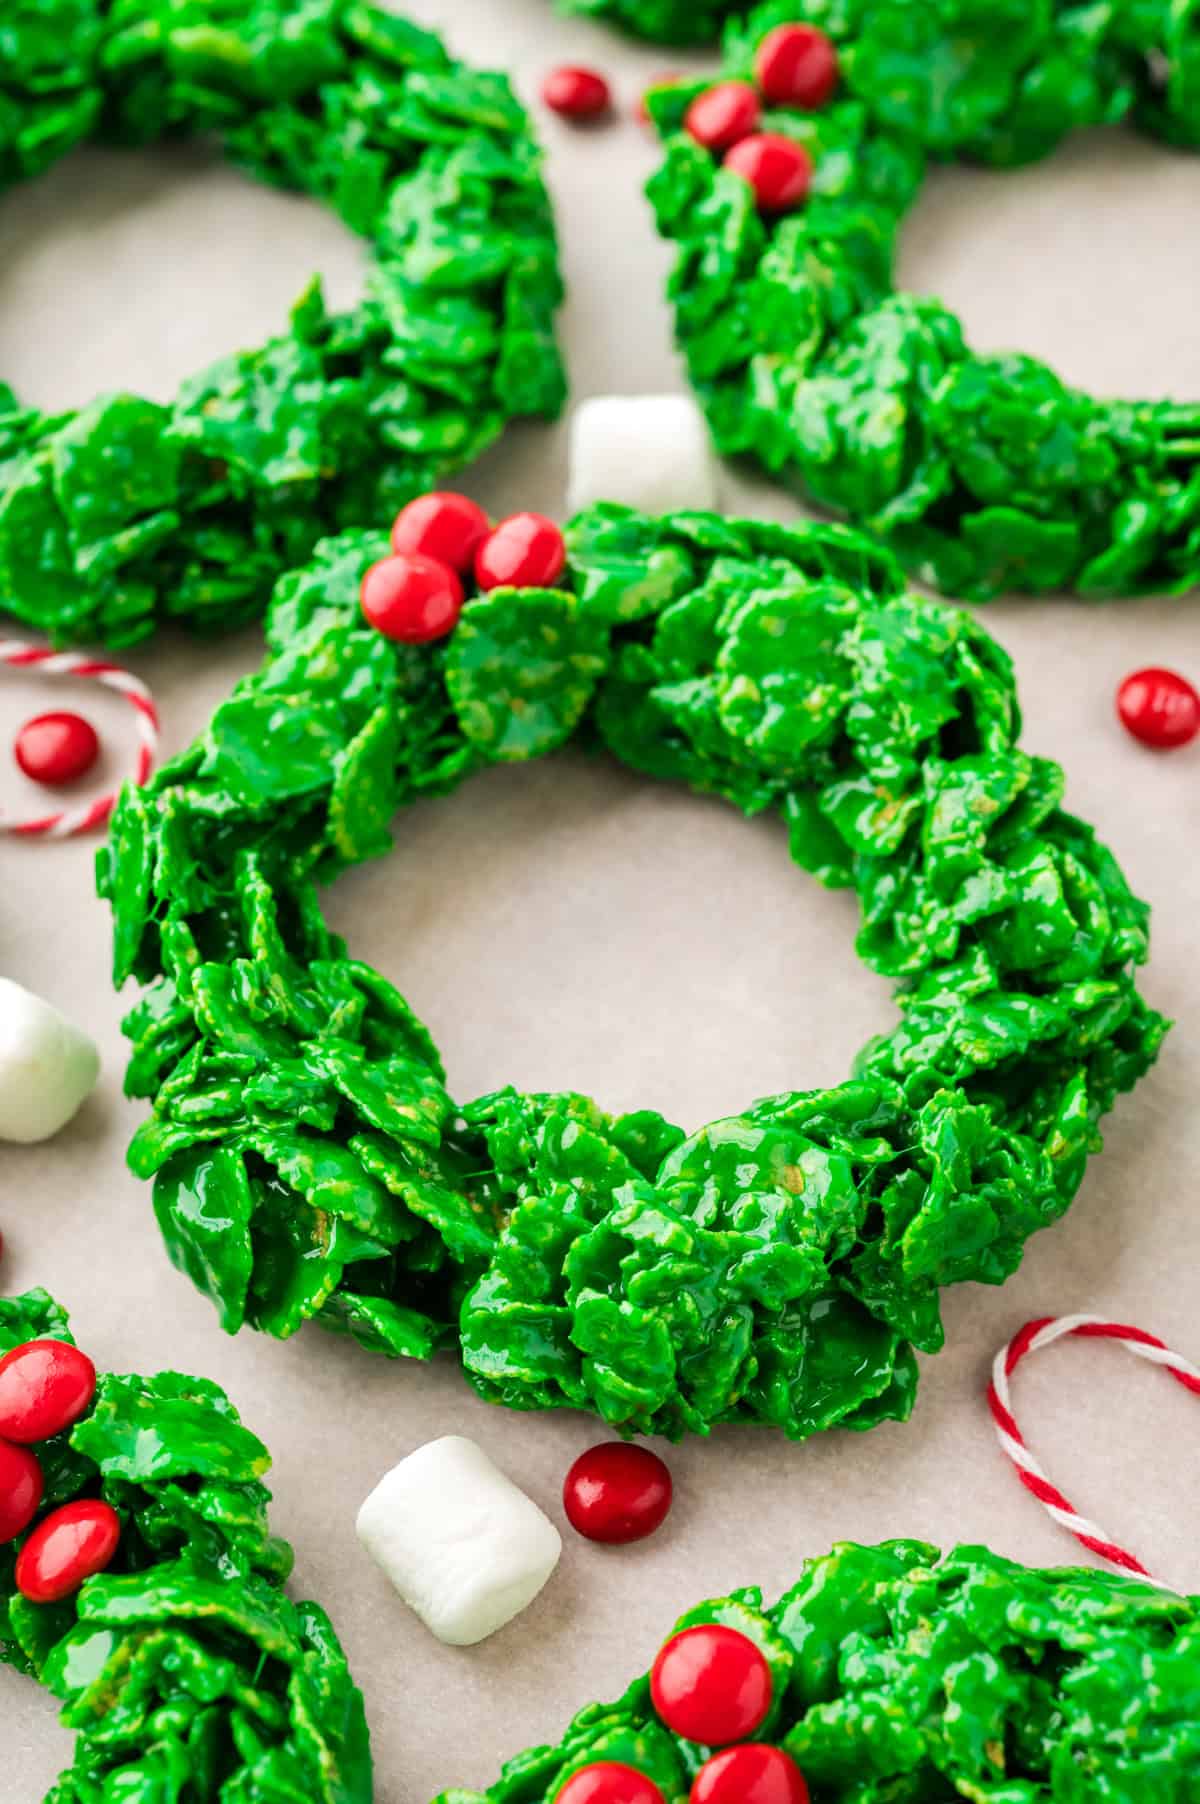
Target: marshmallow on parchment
{"x": 47, "y": 1065}
{"x": 651, "y": 452}
{"x": 464, "y": 1547}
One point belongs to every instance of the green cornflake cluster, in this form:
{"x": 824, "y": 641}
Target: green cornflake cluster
{"x": 664, "y": 21}
{"x": 985, "y": 473}
{"x": 776, "y": 1267}
{"x": 902, "y": 1676}
{"x": 184, "y": 1669}
{"x": 126, "y": 512}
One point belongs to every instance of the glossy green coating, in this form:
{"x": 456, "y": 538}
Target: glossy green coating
{"x": 126, "y": 512}
{"x": 664, "y": 21}
{"x": 776, "y": 1267}
{"x": 985, "y": 473}
{"x": 904, "y": 1676}
{"x": 185, "y": 1670}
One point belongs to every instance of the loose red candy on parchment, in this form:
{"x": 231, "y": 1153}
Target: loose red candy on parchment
{"x": 526, "y": 551}
{"x": 56, "y": 748}
{"x": 21, "y": 1487}
{"x": 45, "y": 1385}
{"x": 441, "y": 525}
{"x": 616, "y": 1493}
{"x": 1159, "y": 707}
{"x": 412, "y": 598}
{"x": 754, "y": 1774}
{"x": 608, "y": 1782}
{"x": 577, "y": 93}
{"x": 797, "y": 65}
{"x": 721, "y": 116}
{"x": 71, "y": 1545}
{"x": 778, "y": 169}
{"x": 711, "y": 1684}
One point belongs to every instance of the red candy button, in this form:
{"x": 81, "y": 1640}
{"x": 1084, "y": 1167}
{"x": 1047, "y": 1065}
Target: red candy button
{"x": 722, "y": 115}
{"x": 526, "y": 551}
{"x": 56, "y": 748}
{"x": 1159, "y": 707}
{"x": 20, "y": 1489}
{"x": 442, "y": 525}
{"x": 71, "y": 1545}
{"x": 712, "y": 1685}
{"x": 45, "y": 1385}
{"x": 754, "y": 1774}
{"x": 797, "y": 65}
{"x": 412, "y": 598}
{"x": 608, "y": 1782}
{"x": 616, "y": 1493}
{"x": 777, "y": 168}
{"x": 576, "y": 93}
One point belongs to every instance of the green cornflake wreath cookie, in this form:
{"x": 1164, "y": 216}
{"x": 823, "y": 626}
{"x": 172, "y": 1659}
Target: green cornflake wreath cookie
{"x": 665, "y": 21}
{"x": 184, "y": 1668}
{"x": 903, "y": 1675}
{"x": 985, "y": 473}
{"x": 777, "y": 1267}
{"x": 126, "y": 512}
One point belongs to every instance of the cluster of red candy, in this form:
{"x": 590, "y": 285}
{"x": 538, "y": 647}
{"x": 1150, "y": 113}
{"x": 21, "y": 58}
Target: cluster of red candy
{"x": 45, "y": 1386}
{"x": 711, "y": 1685}
{"x": 440, "y": 542}
{"x": 796, "y": 66}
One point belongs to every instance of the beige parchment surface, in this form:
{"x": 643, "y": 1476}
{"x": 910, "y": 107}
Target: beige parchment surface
{"x": 569, "y": 925}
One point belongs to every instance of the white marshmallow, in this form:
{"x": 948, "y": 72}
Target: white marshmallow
{"x": 651, "y": 452}
{"x": 47, "y": 1065}
{"x": 462, "y": 1545}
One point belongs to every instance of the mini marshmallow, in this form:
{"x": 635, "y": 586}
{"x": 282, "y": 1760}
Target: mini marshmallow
{"x": 47, "y": 1066}
{"x": 464, "y": 1547}
{"x": 651, "y": 452}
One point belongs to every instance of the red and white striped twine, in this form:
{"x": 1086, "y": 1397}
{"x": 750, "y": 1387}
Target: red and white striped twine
{"x": 1031, "y": 1339}
{"x": 67, "y": 821}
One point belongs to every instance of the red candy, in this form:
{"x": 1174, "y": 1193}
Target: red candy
{"x": 711, "y": 1684}
{"x": 722, "y": 115}
{"x": 526, "y": 551}
{"x": 412, "y": 598}
{"x": 1159, "y": 707}
{"x": 56, "y": 748}
{"x": 45, "y": 1385}
{"x": 797, "y": 65}
{"x": 754, "y": 1774}
{"x": 71, "y": 1545}
{"x": 608, "y": 1782}
{"x": 20, "y": 1489}
{"x": 777, "y": 168}
{"x": 443, "y": 526}
{"x": 616, "y": 1493}
{"x": 576, "y": 93}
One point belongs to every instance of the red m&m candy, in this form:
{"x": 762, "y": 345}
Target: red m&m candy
{"x": 777, "y": 168}
{"x": 21, "y": 1488}
{"x": 45, "y": 1385}
{"x": 526, "y": 551}
{"x": 1159, "y": 707}
{"x": 711, "y": 1684}
{"x": 754, "y": 1774}
{"x": 412, "y": 598}
{"x": 71, "y": 1545}
{"x": 608, "y": 1782}
{"x": 576, "y": 93}
{"x": 722, "y": 115}
{"x": 441, "y": 525}
{"x": 797, "y": 65}
{"x": 56, "y": 748}
{"x": 616, "y": 1493}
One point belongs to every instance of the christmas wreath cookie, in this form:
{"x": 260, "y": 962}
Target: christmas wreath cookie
{"x": 895, "y": 1673}
{"x": 665, "y": 21}
{"x": 125, "y": 512}
{"x": 776, "y": 1267}
{"x": 140, "y": 1583}
{"x": 783, "y": 190}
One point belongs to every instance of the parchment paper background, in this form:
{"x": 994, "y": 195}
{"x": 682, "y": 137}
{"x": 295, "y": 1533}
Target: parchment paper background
{"x": 569, "y": 925}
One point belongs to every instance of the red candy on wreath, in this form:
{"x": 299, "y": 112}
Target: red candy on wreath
{"x": 711, "y": 1684}
{"x": 412, "y": 598}
{"x": 526, "y": 551}
{"x": 723, "y": 115}
{"x": 751, "y": 1774}
{"x": 797, "y": 65}
{"x": 72, "y": 1545}
{"x": 45, "y": 1386}
{"x": 778, "y": 169}
{"x": 441, "y": 525}
{"x": 608, "y": 1782}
